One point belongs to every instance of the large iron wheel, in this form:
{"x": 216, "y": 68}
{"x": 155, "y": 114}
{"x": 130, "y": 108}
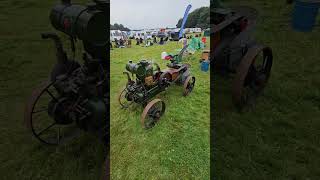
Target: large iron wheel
{"x": 152, "y": 113}
{"x": 125, "y": 98}
{"x": 188, "y": 85}
{"x": 45, "y": 128}
{"x": 252, "y": 75}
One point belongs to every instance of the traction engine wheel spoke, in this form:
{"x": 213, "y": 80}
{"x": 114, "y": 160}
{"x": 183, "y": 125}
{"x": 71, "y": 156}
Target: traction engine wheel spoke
{"x": 152, "y": 113}
{"x": 188, "y": 85}
{"x": 41, "y": 124}
{"x": 251, "y": 77}
{"x": 123, "y": 99}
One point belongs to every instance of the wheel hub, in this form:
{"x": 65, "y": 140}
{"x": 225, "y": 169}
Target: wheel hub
{"x": 60, "y": 111}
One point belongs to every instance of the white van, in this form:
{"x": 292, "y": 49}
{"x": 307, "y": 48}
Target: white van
{"x": 116, "y": 34}
{"x": 148, "y": 35}
{"x": 194, "y": 30}
{"x": 138, "y": 35}
{"x": 132, "y": 34}
{"x": 124, "y": 35}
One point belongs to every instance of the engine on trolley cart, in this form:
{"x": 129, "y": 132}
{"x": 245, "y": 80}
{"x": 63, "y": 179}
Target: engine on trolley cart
{"x": 235, "y": 51}
{"x": 150, "y": 81}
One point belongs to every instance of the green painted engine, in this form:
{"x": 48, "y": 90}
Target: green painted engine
{"x": 142, "y": 69}
{"x": 146, "y": 84}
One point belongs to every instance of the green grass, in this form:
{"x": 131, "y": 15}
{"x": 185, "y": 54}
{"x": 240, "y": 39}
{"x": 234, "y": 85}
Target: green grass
{"x": 178, "y": 146}
{"x": 278, "y": 138}
{"x": 26, "y": 60}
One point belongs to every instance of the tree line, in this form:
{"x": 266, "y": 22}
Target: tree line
{"x": 198, "y": 18}
{"x": 120, "y": 27}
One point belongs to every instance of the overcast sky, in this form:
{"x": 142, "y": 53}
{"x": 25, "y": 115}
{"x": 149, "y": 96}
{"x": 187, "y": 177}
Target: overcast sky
{"x": 139, "y": 14}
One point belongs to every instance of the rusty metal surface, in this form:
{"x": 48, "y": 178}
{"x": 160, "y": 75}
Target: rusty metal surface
{"x": 173, "y": 72}
{"x": 30, "y": 111}
{"x": 148, "y": 107}
{"x": 239, "y": 11}
{"x": 123, "y": 92}
{"x": 220, "y": 26}
{"x": 186, "y": 92}
{"x": 238, "y": 89}
{"x": 36, "y": 93}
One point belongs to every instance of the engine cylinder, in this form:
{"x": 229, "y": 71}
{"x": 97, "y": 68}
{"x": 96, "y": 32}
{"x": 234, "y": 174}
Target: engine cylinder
{"x": 87, "y": 23}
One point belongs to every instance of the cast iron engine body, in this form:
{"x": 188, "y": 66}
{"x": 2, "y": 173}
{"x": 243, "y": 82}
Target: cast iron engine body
{"x": 80, "y": 94}
{"x": 235, "y": 51}
{"x": 150, "y": 81}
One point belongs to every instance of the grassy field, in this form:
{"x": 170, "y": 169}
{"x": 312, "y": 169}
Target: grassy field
{"x": 279, "y": 137}
{"x": 176, "y": 148}
{"x": 26, "y": 60}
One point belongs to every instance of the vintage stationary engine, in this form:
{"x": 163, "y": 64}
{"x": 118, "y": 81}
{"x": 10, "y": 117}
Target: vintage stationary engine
{"x": 76, "y": 95}
{"x": 235, "y": 51}
{"x": 149, "y": 82}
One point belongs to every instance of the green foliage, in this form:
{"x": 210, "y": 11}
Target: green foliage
{"x": 198, "y": 18}
{"x": 120, "y": 27}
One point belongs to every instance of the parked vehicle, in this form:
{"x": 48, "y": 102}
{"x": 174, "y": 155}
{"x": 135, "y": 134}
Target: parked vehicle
{"x": 132, "y": 34}
{"x": 194, "y": 30}
{"x": 162, "y": 34}
{"x": 117, "y": 34}
{"x": 148, "y": 35}
{"x": 174, "y": 35}
{"x": 139, "y": 34}
{"x": 236, "y": 52}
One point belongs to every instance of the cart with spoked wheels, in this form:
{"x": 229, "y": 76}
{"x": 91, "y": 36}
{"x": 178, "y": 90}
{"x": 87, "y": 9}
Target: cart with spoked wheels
{"x": 236, "y": 52}
{"x": 149, "y": 82}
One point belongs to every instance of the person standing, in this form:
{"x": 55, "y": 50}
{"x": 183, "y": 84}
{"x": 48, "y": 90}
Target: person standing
{"x": 154, "y": 39}
{"x": 184, "y": 42}
{"x": 121, "y": 43}
{"x": 116, "y": 42}
{"x": 161, "y": 41}
{"x": 129, "y": 43}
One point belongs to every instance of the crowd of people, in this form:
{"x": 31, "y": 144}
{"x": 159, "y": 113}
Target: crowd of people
{"x": 122, "y": 43}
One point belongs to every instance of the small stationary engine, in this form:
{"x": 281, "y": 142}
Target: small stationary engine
{"x": 75, "y": 96}
{"x": 143, "y": 71}
{"x": 235, "y": 51}
{"x": 149, "y": 82}
{"x": 83, "y": 99}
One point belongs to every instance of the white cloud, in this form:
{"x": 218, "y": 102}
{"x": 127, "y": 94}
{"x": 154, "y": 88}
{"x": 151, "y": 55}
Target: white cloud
{"x": 139, "y": 14}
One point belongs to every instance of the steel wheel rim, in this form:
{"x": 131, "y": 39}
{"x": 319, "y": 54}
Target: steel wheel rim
{"x": 30, "y": 119}
{"x": 251, "y": 80}
{"x": 152, "y": 113}
{"x": 122, "y": 97}
{"x": 189, "y": 85}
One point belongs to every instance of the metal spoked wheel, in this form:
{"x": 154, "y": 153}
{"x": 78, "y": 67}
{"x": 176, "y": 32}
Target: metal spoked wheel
{"x": 188, "y": 85}
{"x": 125, "y": 98}
{"x": 252, "y": 75}
{"x": 45, "y": 128}
{"x": 152, "y": 113}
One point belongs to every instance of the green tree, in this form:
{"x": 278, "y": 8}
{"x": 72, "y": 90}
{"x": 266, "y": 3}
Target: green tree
{"x": 120, "y": 27}
{"x": 198, "y": 18}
